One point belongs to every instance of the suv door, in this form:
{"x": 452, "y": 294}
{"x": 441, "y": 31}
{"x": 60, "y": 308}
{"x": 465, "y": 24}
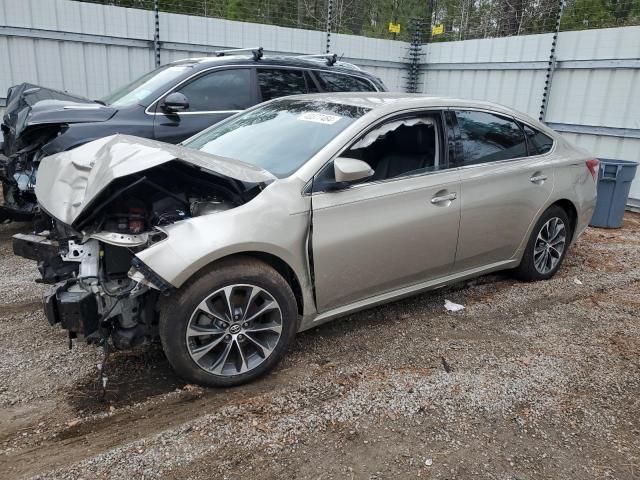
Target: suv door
{"x": 212, "y": 97}
{"x": 503, "y": 188}
{"x": 395, "y": 230}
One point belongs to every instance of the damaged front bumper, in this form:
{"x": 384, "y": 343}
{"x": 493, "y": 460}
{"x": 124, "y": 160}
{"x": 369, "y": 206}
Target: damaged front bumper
{"x": 105, "y": 203}
{"x": 92, "y": 294}
{"x": 75, "y": 311}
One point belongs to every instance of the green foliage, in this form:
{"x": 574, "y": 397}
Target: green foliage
{"x": 584, "y": 14}
{"x": 462, "y": 19}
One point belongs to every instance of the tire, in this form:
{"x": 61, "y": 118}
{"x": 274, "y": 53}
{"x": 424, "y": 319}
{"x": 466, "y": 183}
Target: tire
{"x": 534, "y": 265}
{"x": 194, "y": 319}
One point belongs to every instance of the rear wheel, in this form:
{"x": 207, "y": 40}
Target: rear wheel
{"x": 547, "y": 246}
{"x": 230, "y": 325}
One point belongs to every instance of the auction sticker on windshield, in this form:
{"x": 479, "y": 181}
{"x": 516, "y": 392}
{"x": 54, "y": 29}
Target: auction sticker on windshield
{"x": 325, "y": 118}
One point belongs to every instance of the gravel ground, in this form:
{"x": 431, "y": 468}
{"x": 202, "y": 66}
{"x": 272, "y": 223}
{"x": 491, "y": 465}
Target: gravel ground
{"x": 536, "y": 380}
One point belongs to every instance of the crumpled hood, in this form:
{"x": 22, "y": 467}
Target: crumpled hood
{"x": 29, "y": 105}
{"x": 69, "y": 181}
{"x": 64, "y": 111}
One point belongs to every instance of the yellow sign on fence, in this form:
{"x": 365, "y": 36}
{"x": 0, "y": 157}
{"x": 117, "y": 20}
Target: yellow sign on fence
{"x": 437, "y": 30}
{"x": 394, "y": 27}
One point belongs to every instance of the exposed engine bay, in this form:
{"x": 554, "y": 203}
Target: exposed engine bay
{"x": 100, "y": 289}
{"x": 165, "y": 194}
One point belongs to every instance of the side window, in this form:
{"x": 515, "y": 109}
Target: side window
{"x": 335, "y": 82}
{"x": 221, "y": 90}
{"x": 395, "y": 149}
{"x": 311, "y": 85}
{"x": 278, "y": 82}
{"x": 538, "y": 142}
{"x": 488, "y": 138}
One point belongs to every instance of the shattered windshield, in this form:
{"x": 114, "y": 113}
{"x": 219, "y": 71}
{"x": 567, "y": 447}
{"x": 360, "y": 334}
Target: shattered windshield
{"x": 140, "y": 89}
{"x": 279, "y": 137}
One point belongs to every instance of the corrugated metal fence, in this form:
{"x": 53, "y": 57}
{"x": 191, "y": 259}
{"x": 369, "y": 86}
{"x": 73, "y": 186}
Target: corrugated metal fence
{"x": 91, "y": 49}
{"x": 595, "y": 90}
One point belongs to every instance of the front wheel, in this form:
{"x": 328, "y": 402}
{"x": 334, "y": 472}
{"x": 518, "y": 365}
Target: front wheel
{"x": 229, "y": 325}
{"x": 547, "y": 246}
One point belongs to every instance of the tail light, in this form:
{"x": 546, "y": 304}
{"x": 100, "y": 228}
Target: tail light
{"x": 592, "y": 165}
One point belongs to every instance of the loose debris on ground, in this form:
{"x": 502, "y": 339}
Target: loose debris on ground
{"x": 536, "y": 380}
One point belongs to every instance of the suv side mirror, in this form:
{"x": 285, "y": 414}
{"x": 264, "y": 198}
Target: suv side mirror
{"x": 175, "y": 102}
{"x": 349, "y": 170}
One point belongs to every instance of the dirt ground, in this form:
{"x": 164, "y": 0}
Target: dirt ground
{"x": 536, "y": 380}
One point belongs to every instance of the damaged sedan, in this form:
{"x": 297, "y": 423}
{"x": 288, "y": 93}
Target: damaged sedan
{"x": 293, "y": 213}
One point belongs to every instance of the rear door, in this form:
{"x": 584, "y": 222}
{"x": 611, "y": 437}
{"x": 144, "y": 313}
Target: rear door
{"x": 386, "y": 233}
{"x": 212, "y": 96}
{"x": 275, "y": 82}
{"x": 503, "y": 188}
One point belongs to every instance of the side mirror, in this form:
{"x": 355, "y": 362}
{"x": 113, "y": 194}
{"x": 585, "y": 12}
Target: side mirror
{"x": 175, "y": 102}
{"x": 349, "y": 170}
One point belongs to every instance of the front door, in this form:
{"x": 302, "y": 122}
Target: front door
{"x": 212, "y": 97}
{"x": 502, "y": 189}
{"x": 398, "y": 229}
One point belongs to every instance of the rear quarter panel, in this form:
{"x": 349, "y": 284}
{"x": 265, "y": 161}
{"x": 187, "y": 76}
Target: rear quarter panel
{"x": 575, "y": 183}
{"x": 572, "y": 182}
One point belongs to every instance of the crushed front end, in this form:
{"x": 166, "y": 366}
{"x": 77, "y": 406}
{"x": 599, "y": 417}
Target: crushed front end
{"x": 92, "y": 293}
{"x": 34, "y": 123}
{"x": 101, "y": 205}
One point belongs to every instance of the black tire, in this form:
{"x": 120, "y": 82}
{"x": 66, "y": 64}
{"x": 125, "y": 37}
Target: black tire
{"x": 527, "y": 270}
{"x": 176, "y": 312}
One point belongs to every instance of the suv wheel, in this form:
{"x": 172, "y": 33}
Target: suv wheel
{"x": 547, "y": 246}
{"x": 229, "y": 325}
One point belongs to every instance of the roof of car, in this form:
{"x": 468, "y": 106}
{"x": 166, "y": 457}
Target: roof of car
{"x": 396, "y": 99}
{"x": 385, "y": 102}
{"x": 282, "y": 60}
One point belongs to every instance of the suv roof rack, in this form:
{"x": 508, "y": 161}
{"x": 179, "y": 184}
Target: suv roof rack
{"x": 256, "y": 51}
{"x": 331, "y": 58}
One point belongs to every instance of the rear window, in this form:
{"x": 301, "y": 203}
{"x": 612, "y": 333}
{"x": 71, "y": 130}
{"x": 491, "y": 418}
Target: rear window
{"x": 277, "y": 82}
{"x": 487, "y": 137}
{"x": 335, "y": 82}
{"x": 537, "y": 142}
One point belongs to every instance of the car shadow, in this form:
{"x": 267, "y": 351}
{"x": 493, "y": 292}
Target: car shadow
{"x": 140, "y": 374}
{"x": 133, "y": 376}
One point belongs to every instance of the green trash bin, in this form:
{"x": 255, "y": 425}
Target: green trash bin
{"x": 614, "y": 182}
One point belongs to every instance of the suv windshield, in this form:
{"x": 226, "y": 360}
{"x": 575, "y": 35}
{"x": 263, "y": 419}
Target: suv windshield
{"x": 279, "y": 137}
{"x": 144, "y": 86}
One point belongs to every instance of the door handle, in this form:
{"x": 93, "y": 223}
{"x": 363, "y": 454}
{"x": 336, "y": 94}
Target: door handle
{"x": 443, "y": 198}
{"x": 538, "y": 178}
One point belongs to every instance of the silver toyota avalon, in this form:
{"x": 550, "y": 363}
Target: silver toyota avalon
{"x": 293, "y": 213}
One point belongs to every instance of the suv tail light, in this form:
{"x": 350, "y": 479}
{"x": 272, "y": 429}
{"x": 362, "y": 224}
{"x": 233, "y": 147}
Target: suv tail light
{"x": 592, "y": 165}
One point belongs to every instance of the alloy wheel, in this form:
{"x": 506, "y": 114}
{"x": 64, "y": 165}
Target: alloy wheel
{"x": 550, "y": 245}
{"x": 234, "y": 329}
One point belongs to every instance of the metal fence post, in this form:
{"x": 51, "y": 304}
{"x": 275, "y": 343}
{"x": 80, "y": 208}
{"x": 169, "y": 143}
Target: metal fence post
{"x": 329, "y": 19}
{"x": 414, "y": 54}
{"x": 156, "y": 33}
{"x": 546, "y": 93}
